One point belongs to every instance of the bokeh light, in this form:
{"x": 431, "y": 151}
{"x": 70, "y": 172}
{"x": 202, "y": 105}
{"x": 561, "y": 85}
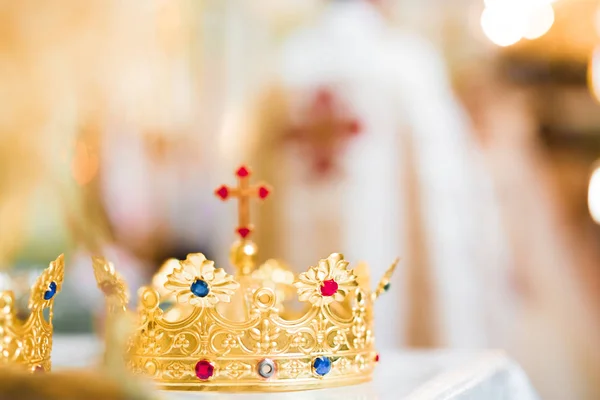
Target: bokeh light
{"x": 539, "y": 21}
{"x": 506, "y": 22}
{"x": 594, "y": 73}
{"x": 597, "y": 21}
{"x": 594, "y": 195}
{"x": 501, "y": 24}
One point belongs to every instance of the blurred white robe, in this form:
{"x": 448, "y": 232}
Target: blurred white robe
{"x": 412, "y": 169}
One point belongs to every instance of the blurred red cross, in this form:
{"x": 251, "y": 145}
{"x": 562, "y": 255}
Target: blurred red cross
{"x": 325, "y": 132}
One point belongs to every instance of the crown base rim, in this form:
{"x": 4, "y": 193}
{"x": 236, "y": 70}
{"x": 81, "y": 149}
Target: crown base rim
{"x": 266, "y": 386}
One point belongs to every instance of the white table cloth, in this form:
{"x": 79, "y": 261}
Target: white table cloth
{"x": 414, "y": 375}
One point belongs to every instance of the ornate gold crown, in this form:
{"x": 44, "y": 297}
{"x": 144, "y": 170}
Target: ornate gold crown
{"x": 28, "y": 343}
{"x": 200, "y": 328}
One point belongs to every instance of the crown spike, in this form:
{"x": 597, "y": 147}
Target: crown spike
{"x": 384, "y": 284}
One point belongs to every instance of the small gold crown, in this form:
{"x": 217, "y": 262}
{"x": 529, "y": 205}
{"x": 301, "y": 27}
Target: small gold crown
{"x": 28, "y": 343}
{"x": 200, "y": 328}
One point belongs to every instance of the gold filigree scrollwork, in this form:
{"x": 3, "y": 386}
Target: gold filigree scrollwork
{"x": 265, "y": 337}
{"x": 176, "y": 370}
{"x": 223, "y": 342}
{"x": 296, "y": 369}
{"x": 337, "y": 325}
{"x": 237, "y": 369}
{"x": 305, "y": 340}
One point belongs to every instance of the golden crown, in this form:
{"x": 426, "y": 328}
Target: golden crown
{"x": 200, "y": 328}
{"x": 28, "y": 342}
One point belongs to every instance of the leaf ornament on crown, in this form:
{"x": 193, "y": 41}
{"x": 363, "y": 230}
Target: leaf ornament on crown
{"x": 329, "y": 281}
{"x": 48, "y": 284}
{"x": 111, "y": 283}
{"x": 196, "y": 281}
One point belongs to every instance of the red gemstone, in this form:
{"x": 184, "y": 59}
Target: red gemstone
{"x": 222, "y": 192}
{"x": 329, "y": 288}
{"x": 243, "y": 232}
{"x": 377, "y": 358}
{"x": 242, "y": 172}
{"x": 263, "y": 192}
{"x": 39, "y": 369}
{"x": 204, "y": 370}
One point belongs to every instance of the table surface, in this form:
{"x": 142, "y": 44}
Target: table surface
{"x": 431, "y": 374}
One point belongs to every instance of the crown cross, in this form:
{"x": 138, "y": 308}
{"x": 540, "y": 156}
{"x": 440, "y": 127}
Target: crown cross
{"x": 243, "y": 192}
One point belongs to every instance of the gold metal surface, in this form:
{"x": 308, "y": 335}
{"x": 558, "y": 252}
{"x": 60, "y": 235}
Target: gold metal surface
{"x": 384, "y": 284}
{"x": 275, "y": 275}
{"x": 111, "y": 284}
{"x": 28, "y": 343}
{"x": 169, "y": 342}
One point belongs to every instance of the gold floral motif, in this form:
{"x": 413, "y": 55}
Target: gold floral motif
{"x": 266, "y": 337}
{"x": 360, "y": 362}
{"x": 295, "y": 368}
{"x": 176, "y": 369}
{"x": 10, "y": 348}
{"x": 150, "y": 339}
{"x": 236, "y": 369}
{"x": 230, "y": 342}
{"x": 334, "y": 268}
{"x": 136, "y": 366}
{"x": 204, "y": 338}
{"x": 343, "y": 365}
{"x": 181, "y": 342}
{"x": 340, "y": 338}
{"x": 299, "y": 340}
{"x": 196, "y": 267}
{"x": 320, "y": 325}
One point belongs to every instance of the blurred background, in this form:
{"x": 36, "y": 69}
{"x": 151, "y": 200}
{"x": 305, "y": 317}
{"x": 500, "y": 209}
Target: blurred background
{"x": 460, "y": 135}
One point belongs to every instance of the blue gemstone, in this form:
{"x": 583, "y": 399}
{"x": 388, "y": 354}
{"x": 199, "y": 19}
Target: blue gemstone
{"x": 322, "y": 365}
{"x": 200, "y": 288}
{"x": 51, "y": 291}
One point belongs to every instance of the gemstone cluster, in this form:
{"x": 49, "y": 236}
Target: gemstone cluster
{"x": 266, "y": 368}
